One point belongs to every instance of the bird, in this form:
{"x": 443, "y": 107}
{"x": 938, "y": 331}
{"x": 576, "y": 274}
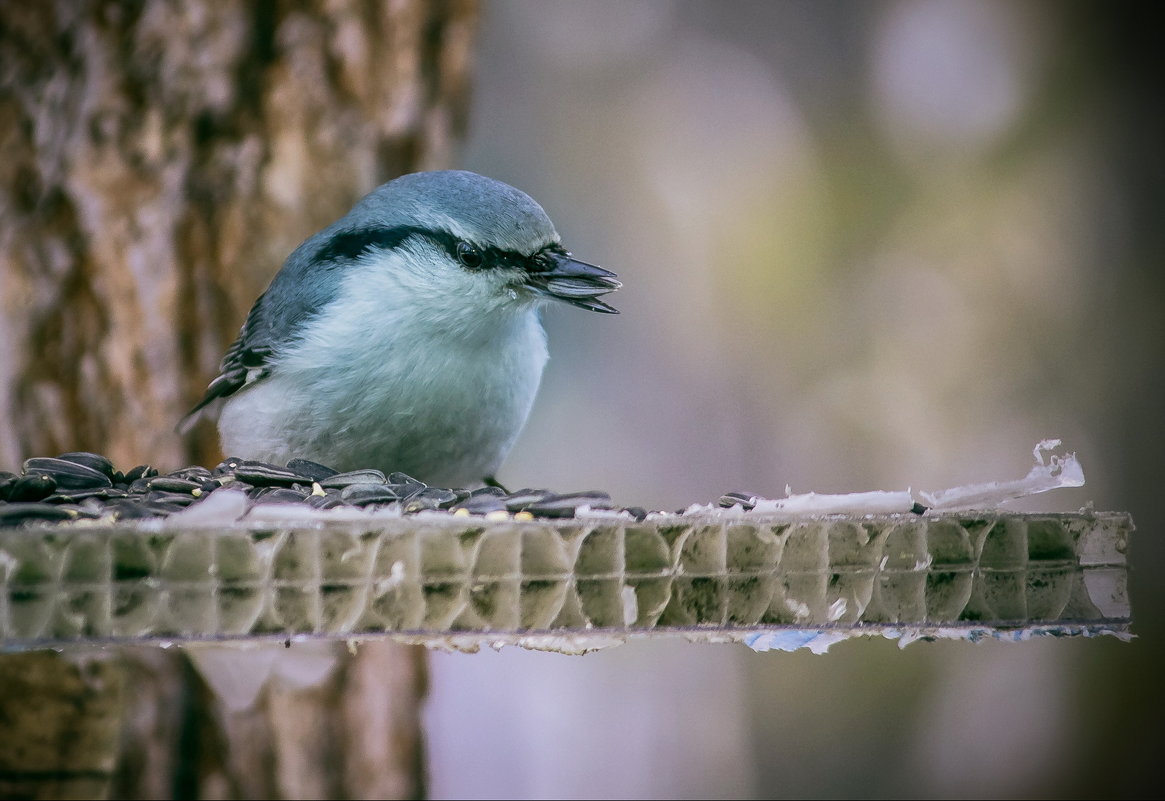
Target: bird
{"x": 406, "y": 336}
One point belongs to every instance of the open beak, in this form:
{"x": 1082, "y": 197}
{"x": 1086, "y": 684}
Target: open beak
{"x": 575, "y": 282}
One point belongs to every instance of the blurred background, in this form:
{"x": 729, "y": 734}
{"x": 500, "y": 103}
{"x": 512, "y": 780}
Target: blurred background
{"x": 864, "y": 246}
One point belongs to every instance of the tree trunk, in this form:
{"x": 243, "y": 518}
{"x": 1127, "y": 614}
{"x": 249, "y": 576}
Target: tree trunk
{"x": 158, "y": 161}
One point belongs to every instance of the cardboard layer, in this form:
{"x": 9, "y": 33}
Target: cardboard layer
{"x": 567, "y": 585}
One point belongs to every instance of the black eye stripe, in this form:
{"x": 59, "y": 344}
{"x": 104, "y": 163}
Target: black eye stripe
{"x": 349, "y": 245}
{"x": 353, "y": 244}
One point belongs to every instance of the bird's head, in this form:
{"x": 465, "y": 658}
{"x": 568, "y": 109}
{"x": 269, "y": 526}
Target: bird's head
{"x": 460, "y": 238}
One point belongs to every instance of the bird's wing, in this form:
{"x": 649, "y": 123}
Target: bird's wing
{"x": 298, "y": 291}
{"x": 306, "y": 284}
{"x": 247, "y": 359}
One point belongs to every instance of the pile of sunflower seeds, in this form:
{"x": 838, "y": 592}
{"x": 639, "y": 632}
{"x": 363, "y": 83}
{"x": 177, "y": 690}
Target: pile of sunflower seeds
{"x": 82, "y": 485}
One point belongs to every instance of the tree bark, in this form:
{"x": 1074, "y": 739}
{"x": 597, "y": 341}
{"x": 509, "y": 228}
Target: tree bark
{"x": 158, "y": 161}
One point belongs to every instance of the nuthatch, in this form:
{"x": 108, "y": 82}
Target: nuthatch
{"x": 406, "y": 336}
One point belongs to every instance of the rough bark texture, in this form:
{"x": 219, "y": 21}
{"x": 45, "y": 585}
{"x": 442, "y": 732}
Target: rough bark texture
{"x": 59, "y": 722}
{"x": 355, "y": 735}
{"x": 158, "y": 161}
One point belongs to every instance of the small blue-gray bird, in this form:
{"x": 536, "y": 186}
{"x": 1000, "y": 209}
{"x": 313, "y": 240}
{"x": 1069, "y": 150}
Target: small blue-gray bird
{"x": 406, "y": 336}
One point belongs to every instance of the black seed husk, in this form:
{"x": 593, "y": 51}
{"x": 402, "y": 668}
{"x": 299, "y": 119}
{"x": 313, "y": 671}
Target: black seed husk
{"x": 430, "y": 498}
{"x": 565, "y": 505}
{"x": 328, "y": 501}
{"x": 419, "y": 505}
{"x": 313, "y": 470}
{"x": 279, "y": 495}
{"x": 745, "y": 499}
{"x": 68, "y": 475}
{"x": 341, "y": 480}
{"x": 93, "y": 461}
{"x": 13, "y": 514}
{"x": 364, "y": 494}
{"x": 81, "y": 484}
{"x": 78, "y": 495}
{"x": 195, "y": 474}
{"x": 481, "y": 504}
{"x": 496, "y": 492}
{"x": 141, "y": 471}
{"x": 444, "y": 498}
{"x": 33, "y": 487}
{"x": 517, "y": 501}
{"x": 162, "y": 508}
{"x": 227, "y": 465}
{"x": 132, "y": 510}
{"x": 165, "y": 496}
{"x": 265, "y": 475}
{"x": 172, "y": 484}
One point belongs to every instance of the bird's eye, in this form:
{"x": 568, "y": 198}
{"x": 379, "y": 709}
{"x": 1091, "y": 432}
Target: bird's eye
{"x": 469, "y": 256}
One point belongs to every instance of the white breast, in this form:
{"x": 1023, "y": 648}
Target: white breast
{"x": 431, "y": 384}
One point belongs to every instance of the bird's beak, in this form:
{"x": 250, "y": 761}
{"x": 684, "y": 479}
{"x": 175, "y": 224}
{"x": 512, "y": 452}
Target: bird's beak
{"x": 575, "y": 282}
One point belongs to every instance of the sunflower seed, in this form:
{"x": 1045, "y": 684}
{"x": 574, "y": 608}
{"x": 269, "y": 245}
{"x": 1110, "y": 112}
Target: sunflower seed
{"x": 131, "y": 510}
{"x": 279, "y": 495}
{"x": 364, "y": 494}
{"x": 33, "y": 487}
{"x": 254, "y": 493}
{"x": 430, "y": 498}
{"x": 517, "y": 501}
{"x": 405, "y": 485}
{"x": 157, "y": 507}
{"x": 313, "y": 470}
{"x": 638, "y": 512}
{"x": 141, "y": 471}
{"x": 341, "y": 480}
{"x": 481, "y": 504}
{"x": 328, "y": 501}
{"x": 406, "y": 491}
{"x": 83, "y": 484}
{"x": 195, "y": 474}
{"x": 496, "y": 492}
{"x": 78, "y": 495}
{"x": 69, "y": 475}
{"x": 419, "y": 504}
{"x": 94, "y": 461}
{"x": 171, "y": 484}
{"x": 227, "y": 465}
{"x": 180, "y": 499}
{"x": 443, "y": 497}
{"x": 566, "y": 505}
{"x": 79, "y": 511}
{"x": 747, "y": 500}
{"x": 13, "y": 514}
{"x": 266, "y": 475}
